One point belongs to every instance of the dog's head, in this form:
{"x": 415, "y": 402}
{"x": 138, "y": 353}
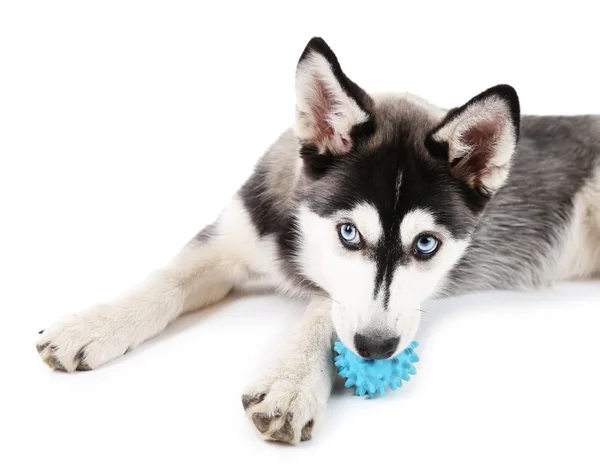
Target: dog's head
{"x": 392, "y": 190}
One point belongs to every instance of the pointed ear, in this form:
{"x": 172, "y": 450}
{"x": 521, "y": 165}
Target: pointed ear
{"x": 329, "y": 106}
{"x": 478, "y": 139}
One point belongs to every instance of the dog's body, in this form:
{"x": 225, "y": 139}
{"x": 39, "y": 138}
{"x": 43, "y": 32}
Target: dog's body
{"x": 370, "y": 205}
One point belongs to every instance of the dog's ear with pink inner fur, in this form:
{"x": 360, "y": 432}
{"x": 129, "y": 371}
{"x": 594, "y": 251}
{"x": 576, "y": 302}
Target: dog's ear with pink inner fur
{"x": 478, "y": 140}
{"x": 329, "y": 106}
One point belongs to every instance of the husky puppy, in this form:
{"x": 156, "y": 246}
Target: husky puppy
{"x": 368, "y": 206}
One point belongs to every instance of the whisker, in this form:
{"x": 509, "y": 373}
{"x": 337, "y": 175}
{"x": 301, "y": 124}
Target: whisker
{"x": 339, "y": 307}
{"x": 324, "y": 295}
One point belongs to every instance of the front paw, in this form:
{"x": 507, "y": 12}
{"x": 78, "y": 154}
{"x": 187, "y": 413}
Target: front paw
{"x": 83, "y": 342}
{"x": 284, "y": 408}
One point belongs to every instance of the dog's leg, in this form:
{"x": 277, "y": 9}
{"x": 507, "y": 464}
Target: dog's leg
{"x": 286, "y": 401}
{"x": 201, "y": 274}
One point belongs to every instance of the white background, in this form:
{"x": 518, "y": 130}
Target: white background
{"x": 124, "y": 126}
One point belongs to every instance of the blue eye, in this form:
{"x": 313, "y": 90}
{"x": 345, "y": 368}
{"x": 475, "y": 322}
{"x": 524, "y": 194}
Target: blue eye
{"x": 349, "y": 235}
{"x": 426, "y": 245}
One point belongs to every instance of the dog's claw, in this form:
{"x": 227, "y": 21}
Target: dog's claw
{"x": 306, "y": 433}
{"x": 53, "y": 363}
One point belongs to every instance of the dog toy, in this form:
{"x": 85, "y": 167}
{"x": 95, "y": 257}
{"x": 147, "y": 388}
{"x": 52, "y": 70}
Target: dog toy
{"x": 373, "y": 376}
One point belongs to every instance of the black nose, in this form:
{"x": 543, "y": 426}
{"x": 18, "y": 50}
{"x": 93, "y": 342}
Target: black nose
{"x": 376, "y": 348}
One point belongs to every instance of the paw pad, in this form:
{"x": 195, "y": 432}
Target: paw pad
{"x": 286, "y": 432}
{"x": 262, "y": 421}
{"x": 248, "y": 401}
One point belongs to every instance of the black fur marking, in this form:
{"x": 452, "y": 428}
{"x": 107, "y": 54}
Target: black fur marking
{"x": 316, "y": 165}
{"x": 269, "y": 218}
{"x": 437, "y": 149}
{"x": 370, "y": 176}
{"x": 362, "y": 131}
{"x": 265, "y": 211}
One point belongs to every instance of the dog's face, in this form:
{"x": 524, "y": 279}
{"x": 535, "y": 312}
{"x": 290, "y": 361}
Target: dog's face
{"x": 393, "y": 188}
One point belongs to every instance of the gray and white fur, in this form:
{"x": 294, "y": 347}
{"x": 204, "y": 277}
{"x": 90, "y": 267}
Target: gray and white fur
{"x": 369, "y": 205}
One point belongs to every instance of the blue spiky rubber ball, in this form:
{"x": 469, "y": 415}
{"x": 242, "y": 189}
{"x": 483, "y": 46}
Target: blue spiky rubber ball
{"x": 372, "y": 377}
